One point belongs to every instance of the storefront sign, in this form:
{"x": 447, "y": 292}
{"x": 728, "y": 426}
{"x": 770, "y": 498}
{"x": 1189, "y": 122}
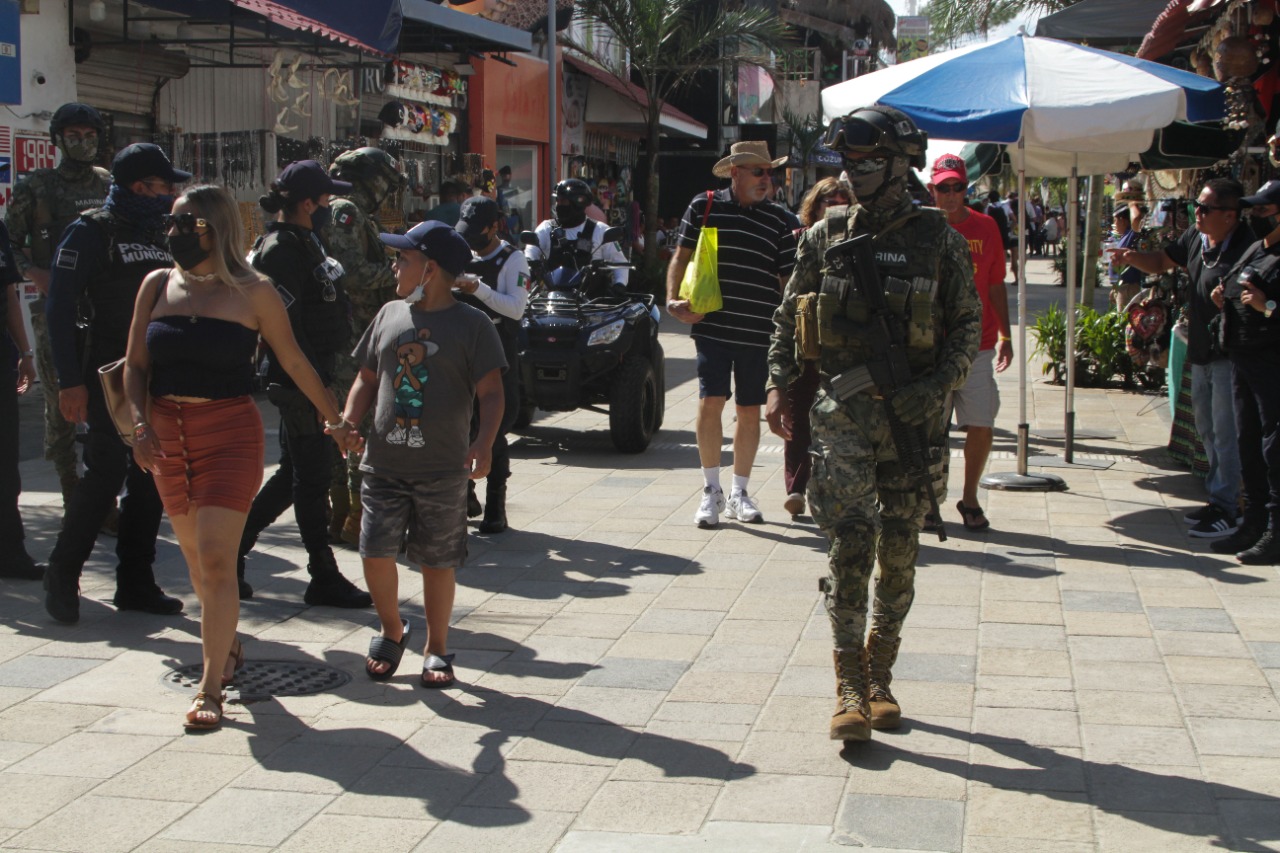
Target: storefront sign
{"x": 913, "y": 38}
{"x": 373, "y": 81}
{"x": 10, "y": 58}
{"x": 33, "y": 152}
{"x": 423, "y": 83}
{"x": 573, "y": 111}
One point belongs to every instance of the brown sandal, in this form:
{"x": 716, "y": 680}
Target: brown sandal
{"x": 200, "y": 706}
{"x": 237, "y": 655}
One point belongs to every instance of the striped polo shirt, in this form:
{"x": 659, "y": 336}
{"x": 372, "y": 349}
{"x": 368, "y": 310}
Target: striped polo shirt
{"x": 757, "y": 244}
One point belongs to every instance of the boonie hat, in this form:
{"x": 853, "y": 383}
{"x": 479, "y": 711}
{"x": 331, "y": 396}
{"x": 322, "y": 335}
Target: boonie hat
{"x": 746, "y": 154}
{"x": 477, "y": 214}
{"x": 308, "y": 179}
{"x": 1268, "y": 193}
{"x": 144, "y": 160}
{"x": 437, "y": 241}
{"x": 949, "y": 166}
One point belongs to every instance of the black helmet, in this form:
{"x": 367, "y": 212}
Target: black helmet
{"x": 574, "y": 193}
{"x": 75, "y": 114}
{"x": 372, "y": 168}
{"x": 878, "y": 129}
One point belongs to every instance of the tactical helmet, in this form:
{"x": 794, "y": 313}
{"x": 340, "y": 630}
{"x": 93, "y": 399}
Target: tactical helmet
{"x": 878, "y": 129}
{"x": 573, "y": 193}
{"x": 372, "y": 168}
{"x": 72, "y": 114}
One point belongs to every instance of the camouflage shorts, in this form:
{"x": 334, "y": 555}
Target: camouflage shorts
{"x": 434, "y": 512}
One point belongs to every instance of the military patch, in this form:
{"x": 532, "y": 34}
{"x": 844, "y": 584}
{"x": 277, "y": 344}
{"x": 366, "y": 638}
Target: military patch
{"x": 68, "y": 258}
{"x": 285, "y": 296}
{"x": 345, "y": 219}
{"x": 522, "y": 281}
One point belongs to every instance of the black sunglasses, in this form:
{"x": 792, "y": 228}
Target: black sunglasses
{"x": 950, "y": 188}
{"x": 186, "y": 223}
{"x": 1208, "y": 208}
{"x": 759, "y": 172}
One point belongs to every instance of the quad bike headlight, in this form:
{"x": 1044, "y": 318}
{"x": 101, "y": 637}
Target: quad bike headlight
{"x": 606, "y": 335}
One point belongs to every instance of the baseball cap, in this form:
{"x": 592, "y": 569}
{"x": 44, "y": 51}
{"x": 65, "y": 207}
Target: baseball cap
{"x": 947, "y": 167}
{"x": 437, "y": 241}
{"x": 1268, "y": 193}
{"x": 144, "y": 160}
{"x": 478, "y": 213}
{"x": 308, "y": 179}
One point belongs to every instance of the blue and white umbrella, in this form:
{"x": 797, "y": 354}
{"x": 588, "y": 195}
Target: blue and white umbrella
{"x": 1062, "y": 109}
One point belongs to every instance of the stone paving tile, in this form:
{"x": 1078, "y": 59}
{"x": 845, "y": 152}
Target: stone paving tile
{"x": 654, "y": 757}
{"x": 935, "y": 667}
{"x": 619, "y": 705}
{"x": 574, "y": 743}
{"x": 668, "y": 621}
{"x": 47, "y": 722}
{"x": 86, "y": 754}
{"x": 1235, "y": 777}
{"x": 1120, "y": 675}
{"x": 1149, "y": 788}
{"x": 1267, "y": 654}
{"x": 510, "y": 830}
{"x": 307, "y": 768}
{"x": 406, "y": 792}
{"x": 759, "y": 798}
{"x": 638, "y": 673}
{"x": 1037, "y": 663}
{"x": 1048, "y": 700}
{"x": 886, "y": 769}
{"x": 625, "y": 806}
{"x": 1101, "y": 602}
{"x": 1050, "y": 815}
{"x": 1252, "y": 823}
{"x": 1091, "y": 648}
{"x": 1108, "y": 744}
{"x": 329, "y": 833}
{"x": 1207, "y": 670}
{"x": 1222, "y": 736}
{"x": 1128, "y": 708}
{"x": 165, "y": 845}
{"x": 811, "y": 714}
{"x": 907, "y": 822}
{"x": 806, "y": 681}
{"x": 1190, "y": 619}
{"x": 538, "y": 787}
{"x": 752, "y": 688}
{"x": 94, "y": 824}
{"x": 1201, "y": 644}
{"x": 244, "y": 816}
{"x": 740, "y": 657}
{"x": 934, "y": 698}
{"x": 1017, "y": 766}
{"x": 792, "y": 754}
{"x": 42, "y": 671}
{"x": 1175, "y": 832}
{"x": 994, "y": 635}
{"x": 185, "y": 777}
{"x": 1024, "y": 612}
{"x": 28, "y": 799}
{"x": 1034, "y": 726}
{"x": 1108, "y": 624}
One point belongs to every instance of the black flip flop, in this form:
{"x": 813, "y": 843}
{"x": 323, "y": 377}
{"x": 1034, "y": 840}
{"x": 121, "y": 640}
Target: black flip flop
{"x": 437, "y": 663}
{"x": 385, "y": 650}
{"x": 976, "y": 512}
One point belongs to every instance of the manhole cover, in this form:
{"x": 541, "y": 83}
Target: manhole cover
{"x": 267, "y": 678}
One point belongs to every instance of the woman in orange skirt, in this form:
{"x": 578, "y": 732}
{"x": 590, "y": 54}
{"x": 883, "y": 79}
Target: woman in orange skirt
{"x": 189, "y": 375}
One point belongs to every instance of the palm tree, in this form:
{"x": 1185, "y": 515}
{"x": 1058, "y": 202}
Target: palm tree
{"x": 805, "y": 134}
{"x": 669, "y": 43}
{"x": 950, "y": 20}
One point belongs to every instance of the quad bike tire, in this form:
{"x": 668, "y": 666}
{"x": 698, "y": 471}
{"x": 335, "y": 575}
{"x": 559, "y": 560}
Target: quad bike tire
{"x": 660, "y": 365}
{"x": 524, "y": 415}
{"x": 635, "y": 403}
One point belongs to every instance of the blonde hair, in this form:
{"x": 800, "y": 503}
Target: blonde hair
{"x": 215, "y": 206}
{"x": 818, "y": 195}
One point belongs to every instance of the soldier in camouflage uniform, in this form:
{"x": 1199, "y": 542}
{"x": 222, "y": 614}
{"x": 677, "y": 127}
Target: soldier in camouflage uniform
{"x": 859, "y": 493}
{"x": 352, "y": 236}
{"x": 43, "y": 205}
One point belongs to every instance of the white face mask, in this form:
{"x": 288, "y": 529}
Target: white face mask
{"x": 417, "y": 293}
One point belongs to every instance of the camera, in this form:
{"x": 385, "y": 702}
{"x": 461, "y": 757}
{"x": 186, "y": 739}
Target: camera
{"x": 38, "y": 78}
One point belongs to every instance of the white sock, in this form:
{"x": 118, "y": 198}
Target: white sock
{"x": 712, "y": 477}
{"x": 740, "y": 484}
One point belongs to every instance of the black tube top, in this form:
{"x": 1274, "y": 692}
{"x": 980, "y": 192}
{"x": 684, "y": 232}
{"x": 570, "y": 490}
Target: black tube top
{"x": 200, "y": 357}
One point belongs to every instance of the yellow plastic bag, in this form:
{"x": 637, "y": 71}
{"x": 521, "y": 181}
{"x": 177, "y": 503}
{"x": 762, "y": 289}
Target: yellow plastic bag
{"x": 701, "y": 283}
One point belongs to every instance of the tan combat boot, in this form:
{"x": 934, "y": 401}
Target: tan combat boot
{"x": 339, "y": 506}
{"x": 851, "y": 720}
{"x": 882, "y": 651}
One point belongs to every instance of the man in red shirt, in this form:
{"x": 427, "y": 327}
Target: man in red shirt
{"x": 976, "y": 404}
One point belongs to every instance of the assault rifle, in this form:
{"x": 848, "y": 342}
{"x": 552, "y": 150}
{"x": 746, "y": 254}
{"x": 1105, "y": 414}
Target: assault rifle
{"x": 889, "y": 371}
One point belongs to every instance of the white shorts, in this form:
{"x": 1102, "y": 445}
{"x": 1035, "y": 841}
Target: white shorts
{"x": 977, "y": 401}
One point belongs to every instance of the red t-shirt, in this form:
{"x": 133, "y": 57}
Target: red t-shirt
{"x": 987, "y": 248}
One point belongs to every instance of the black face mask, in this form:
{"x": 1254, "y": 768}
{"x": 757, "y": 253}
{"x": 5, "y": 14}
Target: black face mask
{"x": 477, "y": 240}
{"x": 186, "y": 250}
{"x": 569, "y": 216}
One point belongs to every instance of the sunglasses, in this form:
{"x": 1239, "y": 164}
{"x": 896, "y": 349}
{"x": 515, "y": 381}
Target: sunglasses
{"x": 1206, "y": 209}
{"x": 836, "y": 200}
{"x": 759, "y": 172}
{"x": 950, "y": 188}
{"x": 186, "y": 223}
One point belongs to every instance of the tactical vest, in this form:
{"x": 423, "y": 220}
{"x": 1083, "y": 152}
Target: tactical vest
{"x": 576, "y": 252}
{"x": 324, "y": 309}
{"x": 908, "y": 260}
{"x": 488, "y": 270}
{"x": 132, "y": 252}
{"x": 58, "y": 202}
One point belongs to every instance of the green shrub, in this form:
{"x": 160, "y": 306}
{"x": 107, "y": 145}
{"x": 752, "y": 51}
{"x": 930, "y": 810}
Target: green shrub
{"x": 1100, "y": 347}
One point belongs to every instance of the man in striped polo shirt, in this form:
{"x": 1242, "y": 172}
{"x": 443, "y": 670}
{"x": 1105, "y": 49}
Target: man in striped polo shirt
{"x": 756, "y": 251}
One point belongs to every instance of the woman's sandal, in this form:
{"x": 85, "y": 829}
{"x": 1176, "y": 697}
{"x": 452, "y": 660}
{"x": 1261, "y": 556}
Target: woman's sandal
{"x": 201, "y": 705}
{"x": 237, "y": 655}
{"x": 974, "y": 515}
{"x": 438, "y": 663}
{"x": 385, "y": 650}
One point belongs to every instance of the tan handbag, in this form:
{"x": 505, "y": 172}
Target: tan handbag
{"x": 112, "y": 378}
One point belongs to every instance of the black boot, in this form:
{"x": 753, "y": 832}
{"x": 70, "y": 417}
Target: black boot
{"x": 495, "y": 507}
{"x": 1245, "y": 537}
{"x": 1266, "y": 552}
{"x": 147, "y": 599}
{"x": 328, "y": 588}
{"x": 473, "y": 503}
{"x": 246, "y": 591}
{"x": 62, "y": 594}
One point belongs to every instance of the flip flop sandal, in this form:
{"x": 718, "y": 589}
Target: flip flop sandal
{"x": 385, "y": 650}
{"x": 202, "y": 703}
{"x": 972, "y": 514}
{"x": 438, "y": 663}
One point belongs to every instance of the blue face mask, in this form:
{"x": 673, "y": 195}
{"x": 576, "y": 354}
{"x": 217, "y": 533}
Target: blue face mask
{"x": 320, "y": 217}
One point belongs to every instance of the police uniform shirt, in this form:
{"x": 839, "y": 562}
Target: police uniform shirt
{"x": 611, "y": 252}
{"x": 1246, "y": 329}
{"x": 9, "y": 277}
{"x": 756, "y": 250}
{"x": 509, "y": 294}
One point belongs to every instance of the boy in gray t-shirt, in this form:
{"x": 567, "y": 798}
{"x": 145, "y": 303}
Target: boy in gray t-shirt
{"x": 423, "y": 360}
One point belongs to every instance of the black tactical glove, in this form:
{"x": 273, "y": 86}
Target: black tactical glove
{"x": 918, "y": 401}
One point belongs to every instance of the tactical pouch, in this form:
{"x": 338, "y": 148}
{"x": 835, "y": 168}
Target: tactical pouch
{"x": 833, "y": 316}
{"x": 807, "y": 334}
{"x": 297, "y": 415}
{"x": 920, "y": 320}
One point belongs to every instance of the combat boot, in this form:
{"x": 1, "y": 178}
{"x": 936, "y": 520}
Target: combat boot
{"x": 351, "y": 527}
{"x": 246, "y": 591}
{"x": 339, "y": 506}
{"x": 882, "y": 651}
{"x": 495, "y": 507}
{"x": 851, "y": 720}
{"x": 473, "y": 503}
{"x": 328, "y": 588}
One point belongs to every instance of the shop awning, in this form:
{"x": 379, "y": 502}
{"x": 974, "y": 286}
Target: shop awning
{"x": 435, "y": 28}
{"x": 1102, "y": 22}
{"x": 373, "y": 25}
{"x": 1171, "y": 26}
{"x": 621, "y": 103}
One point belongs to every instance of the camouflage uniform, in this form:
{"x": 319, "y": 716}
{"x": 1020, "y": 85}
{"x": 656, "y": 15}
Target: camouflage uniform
{"x": 43, "y": 205}
{"x": 352, "y": 238}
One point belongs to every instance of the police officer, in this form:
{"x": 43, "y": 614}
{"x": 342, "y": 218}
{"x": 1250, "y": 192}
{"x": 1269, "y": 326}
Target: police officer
{"x": 43, "y": 205}
{"x": 352, "y": 238}
{"x": 292, "y": 254}
{"x": 499, "y": 286}
{"x": 104, "y": 256}
{"x": 572, "y": 238}
{"x": 926, "y": 268}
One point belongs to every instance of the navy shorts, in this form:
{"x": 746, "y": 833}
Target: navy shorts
{"x": 749, "y": 367}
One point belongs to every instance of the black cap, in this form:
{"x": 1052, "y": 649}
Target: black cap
{"x": 143, "y": 160}
{"x": 478, "y": 213}
{"x": 1268, "y": 193}
{"x": 437, "y": 241}
{"x": 308, "y": 179}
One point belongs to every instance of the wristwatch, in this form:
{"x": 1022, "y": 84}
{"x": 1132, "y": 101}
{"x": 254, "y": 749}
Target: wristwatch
{"x": 1268, "y": 308}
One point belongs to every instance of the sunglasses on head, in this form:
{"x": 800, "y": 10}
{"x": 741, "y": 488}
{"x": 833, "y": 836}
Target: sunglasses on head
{"x": 186, "y": 223}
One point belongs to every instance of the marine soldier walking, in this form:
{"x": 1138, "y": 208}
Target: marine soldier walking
{"x": 861, "y": 493}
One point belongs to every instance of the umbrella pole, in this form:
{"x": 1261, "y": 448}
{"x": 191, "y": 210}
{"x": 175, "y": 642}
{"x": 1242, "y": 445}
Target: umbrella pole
{"x": 1073, "y": 267}
{"x": 1020, "y": 480}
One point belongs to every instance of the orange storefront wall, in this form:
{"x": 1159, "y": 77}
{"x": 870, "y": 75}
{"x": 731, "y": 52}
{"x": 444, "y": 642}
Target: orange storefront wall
{"x": 512, "y": 105}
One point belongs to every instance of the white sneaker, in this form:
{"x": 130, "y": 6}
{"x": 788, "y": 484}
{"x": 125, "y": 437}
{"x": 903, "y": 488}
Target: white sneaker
{"x": 708, "y": 514}
{"x": 743, "y": 508}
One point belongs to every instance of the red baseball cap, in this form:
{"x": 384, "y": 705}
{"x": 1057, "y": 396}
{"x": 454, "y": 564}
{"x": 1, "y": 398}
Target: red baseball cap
{"x": 949, "y": 166}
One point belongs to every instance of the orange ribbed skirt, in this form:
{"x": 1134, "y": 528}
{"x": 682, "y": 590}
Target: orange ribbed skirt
{"x": 213, "y": 453}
